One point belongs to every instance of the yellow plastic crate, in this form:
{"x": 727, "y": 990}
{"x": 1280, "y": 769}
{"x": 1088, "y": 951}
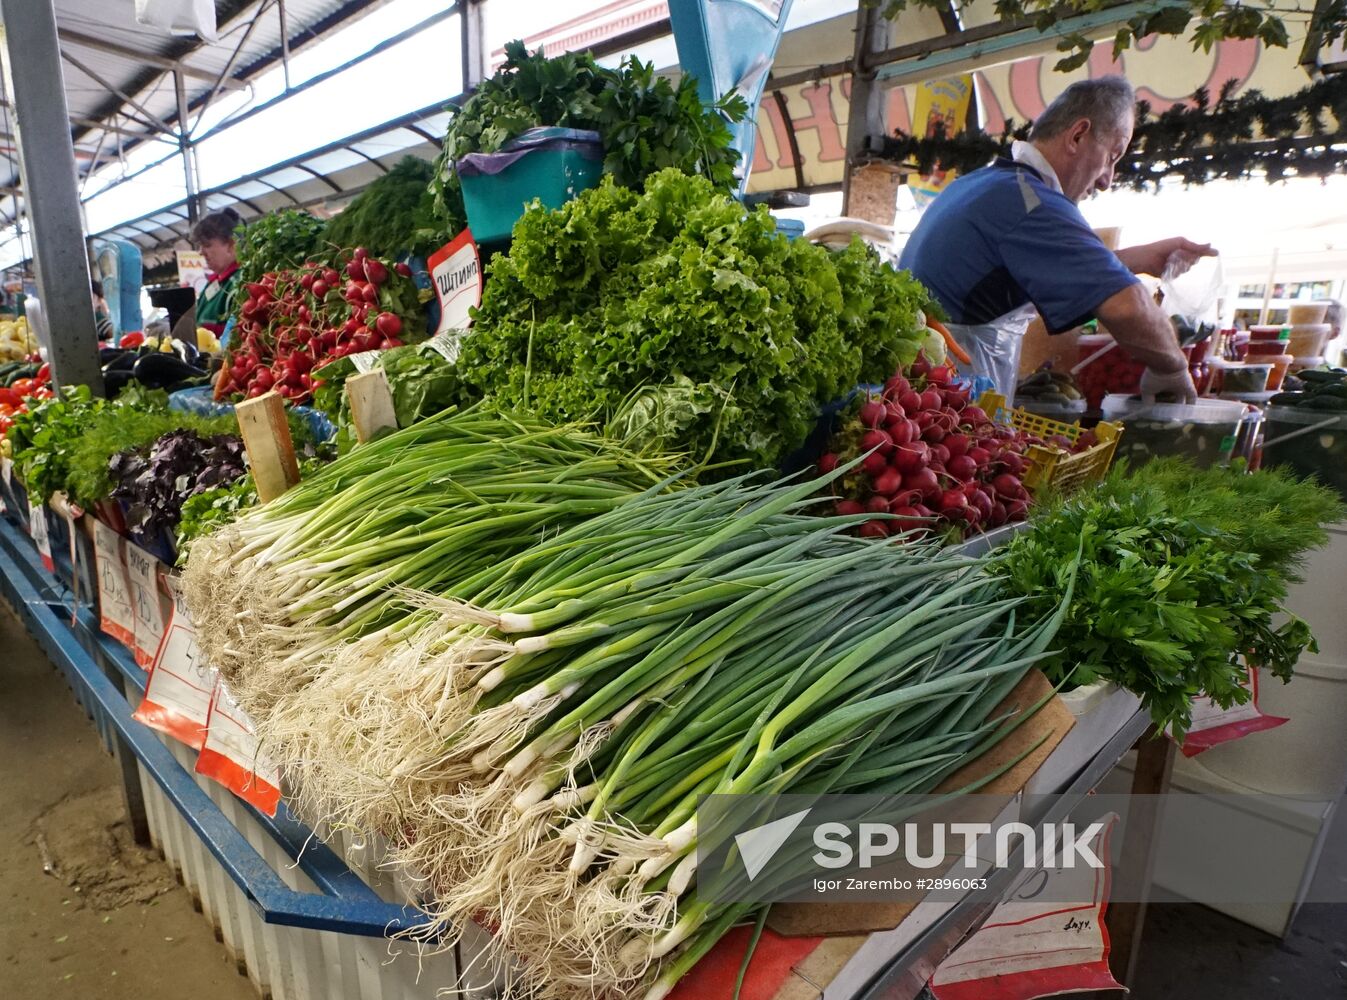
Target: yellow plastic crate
{"x": 1052, "y": 467}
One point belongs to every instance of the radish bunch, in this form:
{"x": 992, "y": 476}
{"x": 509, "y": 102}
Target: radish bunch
{"x": 930, "y": 458}
{"x": 294, "y": 321}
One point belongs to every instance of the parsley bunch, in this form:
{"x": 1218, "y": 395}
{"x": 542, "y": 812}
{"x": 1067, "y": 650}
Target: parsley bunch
{"x": 617, "y": 292}
{"x": 1182, "y": 573}
{"x": 646, "y": 122}
{"x": 277, "y": 242}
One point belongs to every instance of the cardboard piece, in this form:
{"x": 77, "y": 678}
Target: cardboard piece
{"x": 1052, "y": 721}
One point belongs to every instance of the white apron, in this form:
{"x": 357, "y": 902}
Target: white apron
{"x": 995, "y": 347}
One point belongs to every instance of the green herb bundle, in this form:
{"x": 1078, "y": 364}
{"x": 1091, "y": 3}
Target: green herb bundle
{"x": 386, "y": 217}
{"x": 646, "y": 122}
{"x": 277, "y": 241}
{"x": 1183, "y": 572}
{"x": 617, "y": 292}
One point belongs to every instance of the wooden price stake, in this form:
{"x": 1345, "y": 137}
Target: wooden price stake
{"x": 371, "y": 404}
{"x": 271, "y": 452}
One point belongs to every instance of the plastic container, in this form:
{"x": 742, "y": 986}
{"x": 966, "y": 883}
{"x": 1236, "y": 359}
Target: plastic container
{"x": 1268, "y": 331}
{"x": 1240, "y": 376}
{"x": 1065, "y": 412}
{"x": 1099, "y": 374}
{"x": 1239, "y": 344}
{"x": 1309, "y": 340}
{"x": 1260, "y": 350}
{"x": 1299, "y": 364}
{"x": 1102, "y": 373}
{"x": 1308, "y": 442}
{"x": 1303, "y": 313}
{"x": 1281, "y": 364}
{"x": 550, "y": 164}
{"x": 1203, "y": 432}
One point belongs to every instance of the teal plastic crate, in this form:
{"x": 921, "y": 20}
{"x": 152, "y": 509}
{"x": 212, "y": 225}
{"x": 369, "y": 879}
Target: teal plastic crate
{"x": 550, "y": 164}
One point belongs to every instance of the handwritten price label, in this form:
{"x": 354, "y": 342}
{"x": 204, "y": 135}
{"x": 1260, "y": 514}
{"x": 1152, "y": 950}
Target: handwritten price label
{"x": 178, "y": 695}
{"x": 116, "y": 616}
{"x": 143, "y": 574}
{"x": 1033, "y": 945}
{"x": 37, "y": 529}
{"x": 232, "y": 756}
{"x": 456, "y": 272}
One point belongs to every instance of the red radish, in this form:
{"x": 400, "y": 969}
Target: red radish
{"x": 1017, "y": 510}
{"x": 888, "y": 483}
{"x": 320, "y": 290}
{"x": 872, "y": 414}
{"x": 962, "y": 467}
{"x": 877, "y": 439}
{"x": 919, "y": 368}
{"x": 933, "y": 433}
{"x": 930, "y": 400}
{"x": 905, "y": 498}
{"x": 956, "y": 444}
{"x": 923, "y": 510}
{"x": 939, "y": 453}
{"x": 980, "y": 455}
{"x": 370, "y": 291}
{"x": 355, "y": 270}
{"x": 940, "y": 375}
{"x": 362, "y": 342}
{"x": 909, "y": 458}
{"x": 360, "y": 253}
{"x": 924, "y": 481}
{"x": 911, "y": 518}
{"x": 874, "y": 529}
{"x": 1014, "y": 463}
{"x": 827, "y": 463}
{"x": 896, "y": 386}
{"x": 388, "y": 324}
{"x": 998, "y": 514}
{"x": 846, "y": 508}
{"x": 306, "y": 282}
{"x": 873, "y": 464}
{"x": 877, "y": 505}
{"x": 982, "y": 502}
{"x": 403, "y": 269}
{"x": 900, "y": 430}
{"x": 910, "y": 401}
{"x": 952, "y": 500}
{"x": 375, "y": 271}
{"x": 1007, "y": 486}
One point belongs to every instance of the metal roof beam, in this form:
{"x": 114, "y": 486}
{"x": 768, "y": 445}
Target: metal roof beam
{"x": 144, "y": 58}
{"x": 152, "y": 119}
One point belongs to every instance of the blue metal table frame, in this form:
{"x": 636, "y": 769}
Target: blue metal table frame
{"x": 104, "y": 676}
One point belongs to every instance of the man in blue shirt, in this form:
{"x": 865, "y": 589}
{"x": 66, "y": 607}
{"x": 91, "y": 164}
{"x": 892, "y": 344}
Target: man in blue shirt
{"x": 1008, "y": 239}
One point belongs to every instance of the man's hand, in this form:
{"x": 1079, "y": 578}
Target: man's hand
{"x": 1178, "y": 385}
{"x": 1175, "y": 254}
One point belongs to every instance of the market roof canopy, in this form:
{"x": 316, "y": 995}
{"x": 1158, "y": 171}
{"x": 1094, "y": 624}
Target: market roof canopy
{"x": 285, "y": 137}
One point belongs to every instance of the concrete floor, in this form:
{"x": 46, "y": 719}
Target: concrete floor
{"x": 112, "y": 924}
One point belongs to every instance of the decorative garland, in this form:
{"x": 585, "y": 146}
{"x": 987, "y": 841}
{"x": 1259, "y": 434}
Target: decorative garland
{"x": 1301, "y": 135}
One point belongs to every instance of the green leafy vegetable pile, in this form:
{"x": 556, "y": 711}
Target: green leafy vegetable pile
{"x": 420, "y": 378}
{"x": 64, "y": 444}
{"x": 386, "y": 217}
{"x": 618, "y": 292}
{"x": 1183, "y": 572}
{"x": 277, "y": 241}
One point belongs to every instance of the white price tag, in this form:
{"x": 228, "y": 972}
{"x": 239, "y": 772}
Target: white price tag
{"x": 456, "y": 272}
{"x": 143, "y": 573}
{"x": 116, "y": 617}
{"x": 364, "y": 361}
{"x": 232, "y": 757}
{"x": 1214, "y": 725}
{"x": 177, "y": 697}
{"x": 37, "y": 528}
{"x": 1034, "y": 945}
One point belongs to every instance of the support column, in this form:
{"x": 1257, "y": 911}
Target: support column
{"x": 474, "y": 43}
{"x": 185, "y": 148}
{"x": 32, "y": 66}
{"x": 863, "y": 112}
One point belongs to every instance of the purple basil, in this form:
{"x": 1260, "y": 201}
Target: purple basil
{"x": 154, "y": 483}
